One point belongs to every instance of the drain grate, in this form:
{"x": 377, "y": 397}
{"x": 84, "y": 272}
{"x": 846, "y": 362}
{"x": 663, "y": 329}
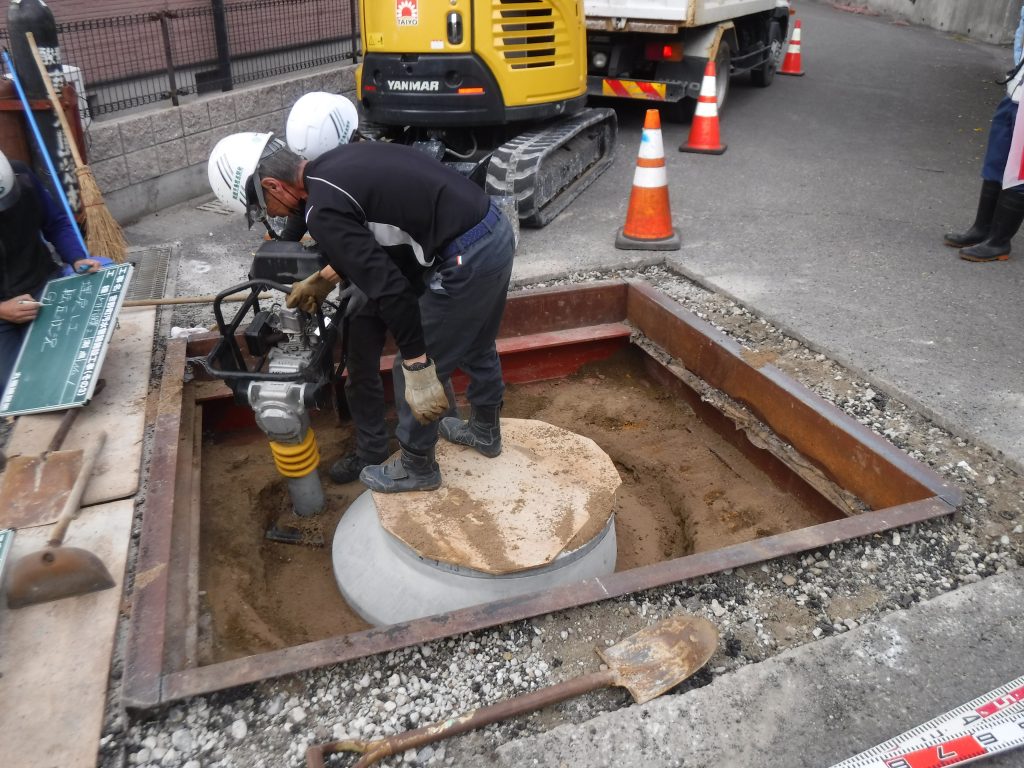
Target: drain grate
{"x": 215, "y": 206}
{"x": 150, "y": 276}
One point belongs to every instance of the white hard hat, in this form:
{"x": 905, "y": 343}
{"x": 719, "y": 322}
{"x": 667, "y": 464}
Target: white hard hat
{"x": 9, "y": 189}
{"x": 231, "y": 171}
{"x": 318, "y": 122}
{"x": 232, "y": 162}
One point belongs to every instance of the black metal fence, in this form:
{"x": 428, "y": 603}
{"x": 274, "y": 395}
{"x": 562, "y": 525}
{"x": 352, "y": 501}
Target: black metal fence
{"x": 129, "y": 61}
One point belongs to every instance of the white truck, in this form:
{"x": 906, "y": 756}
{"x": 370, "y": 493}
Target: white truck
{"x": 656, "y": 50}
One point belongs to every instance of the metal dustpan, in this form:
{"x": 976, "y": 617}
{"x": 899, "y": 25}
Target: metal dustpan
{"x": 646, "y": 664}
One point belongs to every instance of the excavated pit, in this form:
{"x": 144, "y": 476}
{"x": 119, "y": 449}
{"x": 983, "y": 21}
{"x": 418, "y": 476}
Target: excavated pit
{"x": 725, "y": 461}
{"x": 685, "y": 489}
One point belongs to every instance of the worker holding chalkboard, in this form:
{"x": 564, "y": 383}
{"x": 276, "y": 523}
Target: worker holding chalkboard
{"x": 29, "y": 220}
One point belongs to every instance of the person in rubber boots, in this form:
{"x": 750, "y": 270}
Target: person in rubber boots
{"x": 1000, "y": 211}
{"x": 423, "y": 242}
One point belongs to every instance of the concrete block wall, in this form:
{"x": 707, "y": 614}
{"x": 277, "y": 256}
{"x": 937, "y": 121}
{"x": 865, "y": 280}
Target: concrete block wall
{"x": 158, "y": 158}
{"x": 990, "y": 21}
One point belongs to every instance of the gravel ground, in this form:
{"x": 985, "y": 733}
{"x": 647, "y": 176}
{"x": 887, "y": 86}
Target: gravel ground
{"x": 759, "y": 610}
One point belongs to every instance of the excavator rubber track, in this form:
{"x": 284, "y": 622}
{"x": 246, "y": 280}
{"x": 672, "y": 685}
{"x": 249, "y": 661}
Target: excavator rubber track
{"x": 545, "y": 169}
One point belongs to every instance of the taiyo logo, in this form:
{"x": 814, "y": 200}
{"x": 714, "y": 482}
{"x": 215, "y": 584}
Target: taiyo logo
{"x": 407, "y": 13}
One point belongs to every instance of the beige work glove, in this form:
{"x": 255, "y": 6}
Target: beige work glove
{"x": 310, "y": 293}
{"x": 423, "y": 392}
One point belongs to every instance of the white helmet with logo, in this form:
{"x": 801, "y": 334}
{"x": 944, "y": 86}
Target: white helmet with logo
{"x": 318, "y": 122}
{"x": 232, "y": 162}
{"x": 9, "y": 189}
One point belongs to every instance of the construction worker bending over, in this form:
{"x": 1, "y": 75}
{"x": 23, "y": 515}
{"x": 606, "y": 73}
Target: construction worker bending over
{"x": 423, "y": 242}
{"x": 319, "y": 122}
{"x": 29, "y": 219}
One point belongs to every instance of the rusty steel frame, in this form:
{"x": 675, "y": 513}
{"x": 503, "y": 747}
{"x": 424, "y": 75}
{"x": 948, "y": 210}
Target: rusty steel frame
{"x": 159, "y": 660}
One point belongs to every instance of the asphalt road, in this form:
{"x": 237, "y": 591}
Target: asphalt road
{"x": 826, "y": 216}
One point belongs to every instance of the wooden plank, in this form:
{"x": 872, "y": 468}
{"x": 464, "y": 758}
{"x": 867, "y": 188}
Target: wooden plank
{"x": 55, "y": 657}
{"x": 119, "y": 409}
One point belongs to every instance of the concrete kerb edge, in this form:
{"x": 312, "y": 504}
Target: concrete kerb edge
{"x": 955, "y": 427}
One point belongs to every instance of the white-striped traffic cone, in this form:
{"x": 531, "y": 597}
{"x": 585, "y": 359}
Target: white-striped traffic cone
{"x": 648, "y": 218}
{"x": 704, "y": 137}
{"x": 793, "y": 63}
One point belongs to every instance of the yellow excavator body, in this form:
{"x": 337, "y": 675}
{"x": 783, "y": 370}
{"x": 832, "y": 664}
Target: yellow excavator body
{"x": 496, "y": 87}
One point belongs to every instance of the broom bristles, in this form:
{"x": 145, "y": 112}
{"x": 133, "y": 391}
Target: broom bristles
{"x": 103, "y": 235}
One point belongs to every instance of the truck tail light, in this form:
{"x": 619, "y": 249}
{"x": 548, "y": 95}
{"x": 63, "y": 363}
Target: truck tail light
{"x": 664, "y": 51}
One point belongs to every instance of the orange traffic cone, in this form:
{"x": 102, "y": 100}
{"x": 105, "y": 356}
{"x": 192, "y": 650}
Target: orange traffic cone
{"x": 793, "y": 64}
{"x": 704, "y": 136}
{"x": 648, "y": 219}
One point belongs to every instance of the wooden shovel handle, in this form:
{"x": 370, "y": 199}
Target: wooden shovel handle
{"x": 68, "y": 420}
{"x": 54, "y": 101}
{"x": 74, "y": 499}
{"x": 374, "y": 751}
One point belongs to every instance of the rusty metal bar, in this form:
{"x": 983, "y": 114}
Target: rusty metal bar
{"x": 144, "y": 653}
{"x": 852, "y": 455}
{"x": 335, "y": 650}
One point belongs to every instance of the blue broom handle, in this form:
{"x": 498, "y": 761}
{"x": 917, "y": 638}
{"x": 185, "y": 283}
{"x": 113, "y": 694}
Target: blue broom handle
{"x": 43, "y": 151}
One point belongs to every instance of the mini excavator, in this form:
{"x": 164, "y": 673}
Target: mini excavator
{"x": 495, "y": 88}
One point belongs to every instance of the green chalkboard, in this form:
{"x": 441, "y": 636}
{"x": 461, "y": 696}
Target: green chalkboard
{"x": 63, "y": 350}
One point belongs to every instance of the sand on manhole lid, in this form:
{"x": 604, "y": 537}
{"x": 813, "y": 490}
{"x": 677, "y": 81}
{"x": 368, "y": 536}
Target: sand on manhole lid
{"x": 549, "y": 490}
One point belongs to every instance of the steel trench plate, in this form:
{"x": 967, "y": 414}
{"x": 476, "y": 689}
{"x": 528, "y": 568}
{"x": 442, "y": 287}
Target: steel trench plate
{"x": 548, "y": 330}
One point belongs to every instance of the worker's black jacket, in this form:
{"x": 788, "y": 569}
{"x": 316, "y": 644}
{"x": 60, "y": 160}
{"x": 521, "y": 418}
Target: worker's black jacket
{"x": 381, "y": 213}
{"x": 25, "y": 261}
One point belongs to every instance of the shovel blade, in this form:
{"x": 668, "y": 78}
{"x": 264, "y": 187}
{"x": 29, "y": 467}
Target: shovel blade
{"x": 55, "y": 573}
{"x": 661, "y": 656}
{"x": 34, "y": 488}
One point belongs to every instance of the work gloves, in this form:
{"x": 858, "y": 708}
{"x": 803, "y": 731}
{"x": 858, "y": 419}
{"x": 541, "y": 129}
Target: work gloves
{"x": 355, "y": 298}
{"x": 310, "y": 293}
{"x": 423, "y": 392}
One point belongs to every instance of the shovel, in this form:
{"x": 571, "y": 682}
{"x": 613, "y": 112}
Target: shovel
{"x": 57, "y": 572}
{"x": 646, "y": 664}
{"x": 33, "y": 489}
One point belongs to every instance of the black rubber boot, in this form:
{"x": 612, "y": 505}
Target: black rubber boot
{"x": 982, "y": 221}
{"x": 482, "y": 431}
{"x": 347, "y": 468}
{"x": 405, "y": 471}
{"x": 1007, "y": 220}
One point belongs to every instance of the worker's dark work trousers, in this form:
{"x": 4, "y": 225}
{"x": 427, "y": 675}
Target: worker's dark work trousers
{"x": 460, "y": 312}
{"x": 364, "y": 390}
{"x": 1000, "y": 135}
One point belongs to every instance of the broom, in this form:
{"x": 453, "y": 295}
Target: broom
{"x": 103, "y": 234}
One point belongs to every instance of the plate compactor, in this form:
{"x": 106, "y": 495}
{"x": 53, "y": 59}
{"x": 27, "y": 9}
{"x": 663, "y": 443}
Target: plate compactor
{"x": 495, "y": 88}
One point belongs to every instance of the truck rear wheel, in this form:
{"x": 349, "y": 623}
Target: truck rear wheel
{"x": 763, "y": 75}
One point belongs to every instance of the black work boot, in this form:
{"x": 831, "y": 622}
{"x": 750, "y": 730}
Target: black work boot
{"x": 347, "y": 468}
{"x": 482, "y": 431}
{"x": 1005, "y": 223}
{"x": 405, "y": 471}
{"x": 982, "y": 221}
